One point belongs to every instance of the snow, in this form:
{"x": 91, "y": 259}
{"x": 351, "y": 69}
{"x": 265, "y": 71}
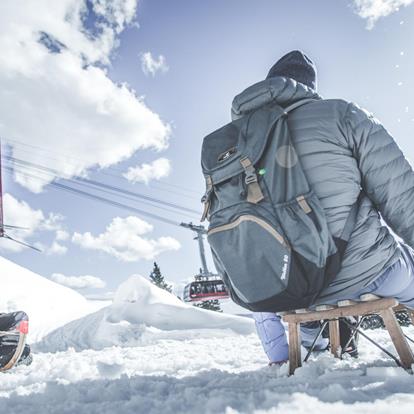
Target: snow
{"x": 47, "y": 303}
{"x": 208, "y": 374}
{"x": 137, "y": 305}
{"x": 142, "y": 354}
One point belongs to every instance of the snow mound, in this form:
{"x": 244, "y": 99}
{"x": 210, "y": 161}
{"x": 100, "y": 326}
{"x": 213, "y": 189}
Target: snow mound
{"x": 141, "y": 312}
{"x": 48, "y": 304}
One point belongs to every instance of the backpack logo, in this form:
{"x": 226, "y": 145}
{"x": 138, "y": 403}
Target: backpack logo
{"x": 285, "y": 267}
{"x": 226, "y": 154}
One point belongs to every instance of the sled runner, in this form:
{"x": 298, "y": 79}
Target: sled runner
{"x": 21, "y": 332}
{"x": 369, "y": 305}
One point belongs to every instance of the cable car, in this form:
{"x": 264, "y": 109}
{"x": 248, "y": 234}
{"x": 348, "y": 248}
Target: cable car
{"x": 205, "y": 288}
{"x": 207, "y": 285}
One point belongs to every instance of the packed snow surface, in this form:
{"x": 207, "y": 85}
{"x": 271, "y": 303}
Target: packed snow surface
{"x": 48, "y": 304}
{"x": 206, "y": 373}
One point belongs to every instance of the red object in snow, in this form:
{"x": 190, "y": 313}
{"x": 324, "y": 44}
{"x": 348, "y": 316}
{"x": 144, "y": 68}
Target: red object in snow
{"x": 24, "y": 327}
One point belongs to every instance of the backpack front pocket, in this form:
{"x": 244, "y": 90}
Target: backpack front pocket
{"x": 305, "y": 226}
{"x": 255, "y": 256}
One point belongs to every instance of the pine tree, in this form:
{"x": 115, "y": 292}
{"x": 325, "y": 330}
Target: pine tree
{"x": 158, "y": 279}
{"x": 213, "y": 305}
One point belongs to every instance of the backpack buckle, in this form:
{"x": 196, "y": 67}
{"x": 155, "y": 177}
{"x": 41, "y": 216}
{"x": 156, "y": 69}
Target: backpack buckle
{"x": 251, "y": 177}
{"x": 254, "y": 192}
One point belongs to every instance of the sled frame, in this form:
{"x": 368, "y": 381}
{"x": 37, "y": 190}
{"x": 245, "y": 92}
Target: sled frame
{"x": 369, "y": 305}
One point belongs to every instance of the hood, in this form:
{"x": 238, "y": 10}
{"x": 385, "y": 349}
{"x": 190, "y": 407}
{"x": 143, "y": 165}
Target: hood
{"x": 280, "y": 90}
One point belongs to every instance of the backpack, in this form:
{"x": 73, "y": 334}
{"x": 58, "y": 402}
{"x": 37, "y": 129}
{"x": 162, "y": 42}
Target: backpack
{"x": 268, "y": 233}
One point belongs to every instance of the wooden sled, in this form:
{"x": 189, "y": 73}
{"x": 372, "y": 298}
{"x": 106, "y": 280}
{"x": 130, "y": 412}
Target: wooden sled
{"x": 369, "y": 305}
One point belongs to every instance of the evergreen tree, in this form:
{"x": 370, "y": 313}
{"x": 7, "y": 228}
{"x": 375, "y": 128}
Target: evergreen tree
{"x": 158, "y": 279}
{"x": 213, "y": 305}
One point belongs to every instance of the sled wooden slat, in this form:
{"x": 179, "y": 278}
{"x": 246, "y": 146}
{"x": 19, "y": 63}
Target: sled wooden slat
{"x": 343, "y": 303}
{"x": 324, "y": 307}
{"x": 370, "y": 304}
{"x": 368, "y": 297}
{"x": 359, "y": 309}
{"x": 304, "y": 310}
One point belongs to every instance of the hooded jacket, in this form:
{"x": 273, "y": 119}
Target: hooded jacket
{"x": 342, "y": 149}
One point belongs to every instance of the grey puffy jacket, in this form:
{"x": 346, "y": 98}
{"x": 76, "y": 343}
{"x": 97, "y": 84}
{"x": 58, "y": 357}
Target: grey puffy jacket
{"x": 343, "y": 148}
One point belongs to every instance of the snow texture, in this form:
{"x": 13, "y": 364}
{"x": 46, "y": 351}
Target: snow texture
{"x": 138, "y": 304}
{"x": 158, "y": 363}
{"x": 218, "y": 373}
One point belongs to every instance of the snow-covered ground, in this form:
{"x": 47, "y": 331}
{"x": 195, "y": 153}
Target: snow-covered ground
{"x": 146, "y": 354}
{"x": 210, "y": 372}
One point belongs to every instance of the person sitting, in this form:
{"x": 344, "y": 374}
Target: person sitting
{"x": 343, "y": 149}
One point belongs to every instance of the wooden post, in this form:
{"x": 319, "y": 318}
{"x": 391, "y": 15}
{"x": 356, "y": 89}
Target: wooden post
{"x": 295, "y": 359}
{"x": 334, "y": 338}
{"x": 397, "y": 336}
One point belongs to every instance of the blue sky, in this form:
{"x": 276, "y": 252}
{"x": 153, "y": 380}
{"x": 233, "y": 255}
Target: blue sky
{"x": 213, "y": 51}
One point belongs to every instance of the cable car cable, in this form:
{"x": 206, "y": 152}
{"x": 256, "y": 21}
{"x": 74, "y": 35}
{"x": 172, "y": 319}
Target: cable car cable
{"x": 103, "y": 200}
{"x": 100, "y": 184}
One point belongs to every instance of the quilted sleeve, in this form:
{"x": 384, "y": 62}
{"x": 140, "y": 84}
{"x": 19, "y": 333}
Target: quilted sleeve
{"x": 386, "y": 175}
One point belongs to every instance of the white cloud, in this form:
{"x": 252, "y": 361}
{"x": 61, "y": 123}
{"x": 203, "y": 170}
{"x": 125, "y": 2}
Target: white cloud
{"x": 52, "y": 223}
{"x": 52, "y": 76}
{"x": 117, "y": 12}
{"x": 372, "y": 10}
{"x": 19, "y": 213}
{"x": 56, "y": 248}
{"x": 123, "y": 239}
{"x": 79, "y": 282}
{"x": 151, "y": 65}
{"x": 62, "y": 235}
{"x": 146, "y": 172}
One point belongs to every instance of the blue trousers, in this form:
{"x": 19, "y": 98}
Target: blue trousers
{"x": 272, "y": 334}
{"x": 396, "y": 281}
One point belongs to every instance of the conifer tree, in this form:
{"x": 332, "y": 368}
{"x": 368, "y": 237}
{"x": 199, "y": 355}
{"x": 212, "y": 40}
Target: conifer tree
{"x": 158, "y": 279}
{"x": 213, "y": 305}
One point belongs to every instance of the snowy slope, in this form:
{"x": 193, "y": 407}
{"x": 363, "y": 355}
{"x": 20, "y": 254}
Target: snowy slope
{"x": 47, "y": 303}
{"x": 140, "y": 311}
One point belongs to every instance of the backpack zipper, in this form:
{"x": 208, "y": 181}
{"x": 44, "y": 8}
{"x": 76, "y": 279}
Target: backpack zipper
{"x": 247, "y": 217}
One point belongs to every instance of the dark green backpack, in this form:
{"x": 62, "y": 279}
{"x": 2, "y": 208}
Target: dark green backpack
{"x": 268, "y": 232}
